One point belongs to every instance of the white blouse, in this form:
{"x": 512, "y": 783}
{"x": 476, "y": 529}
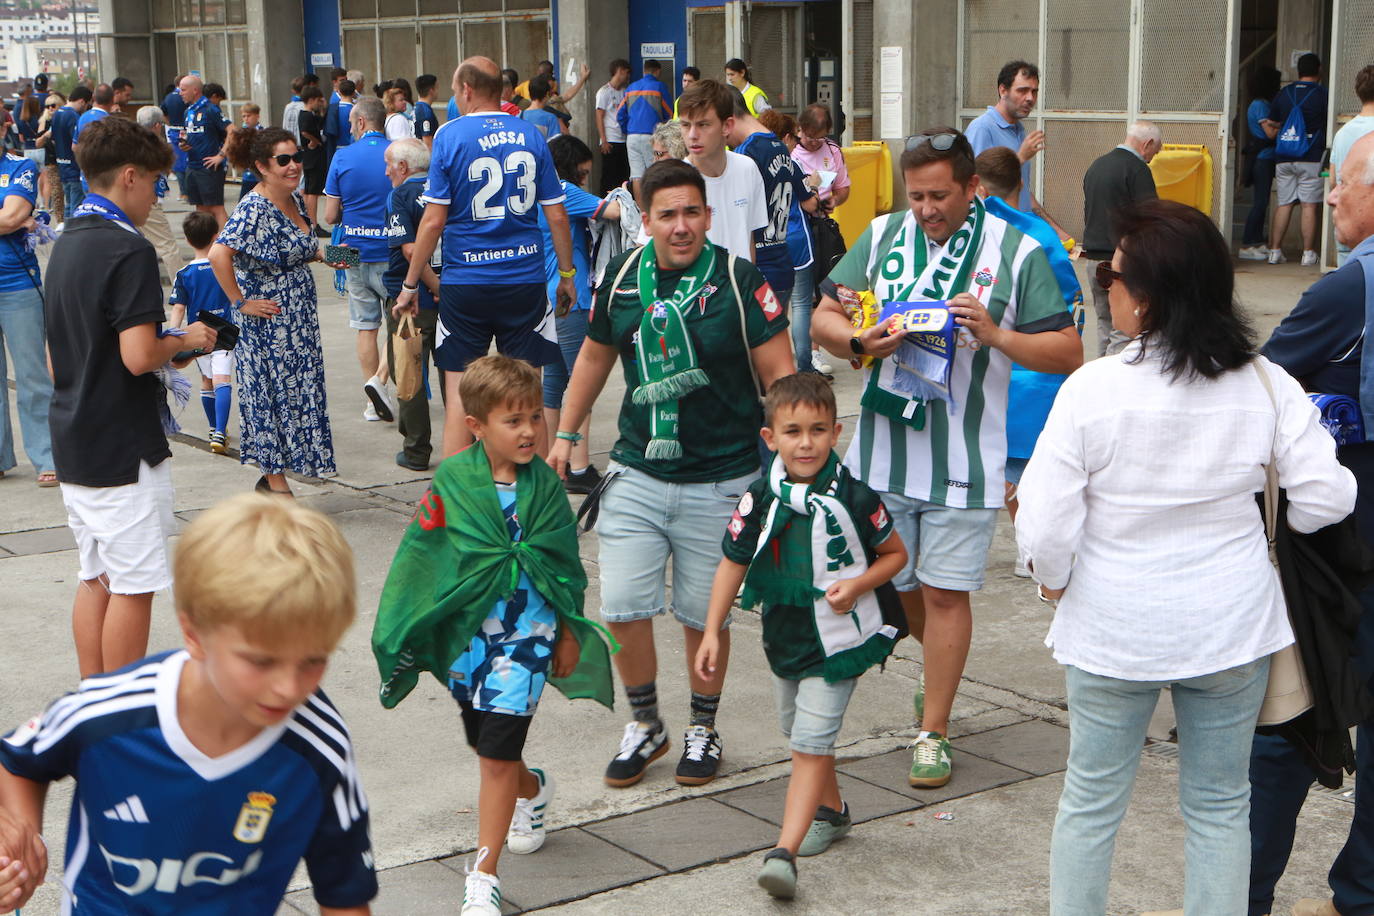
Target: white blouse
{"x": 1139, "y": 500}
{"x": 399, "y": 127}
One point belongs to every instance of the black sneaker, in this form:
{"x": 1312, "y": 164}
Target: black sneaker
{"x": 583, "y": 482}
{"x": 700, "y": 757}
{"x": 639, "y": 747}
{"x": 411, "y": 464}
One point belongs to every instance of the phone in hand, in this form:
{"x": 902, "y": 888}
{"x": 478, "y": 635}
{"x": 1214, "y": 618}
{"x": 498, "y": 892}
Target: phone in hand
{"x": 342, "y": 254}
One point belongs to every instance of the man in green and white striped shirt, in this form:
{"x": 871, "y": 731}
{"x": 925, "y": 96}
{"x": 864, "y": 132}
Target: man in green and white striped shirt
{"x": 938, "y": 461}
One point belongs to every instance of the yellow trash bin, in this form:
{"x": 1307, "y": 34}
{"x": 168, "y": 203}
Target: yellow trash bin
{"x": 1183, "y": 173}
{"x": 870, "y": 189}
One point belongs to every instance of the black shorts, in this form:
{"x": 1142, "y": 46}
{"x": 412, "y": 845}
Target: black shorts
{"x": 205, "y": 187}
{"x": 495, "y": 735}
{"x": 519, "y": 317}
{"x": 314, "y": 181}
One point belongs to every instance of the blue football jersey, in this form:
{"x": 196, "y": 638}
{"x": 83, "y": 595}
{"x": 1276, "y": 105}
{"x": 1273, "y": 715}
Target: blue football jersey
{"x": 157, "y": 827}
{"x": 18, "y": 265}
{"x": 492, "y": 171}
{"x": 782, "y": 184}
{"x": 63, "y": 127}
{"x": 206, "y": 130}
{"x": 196, "y": 288}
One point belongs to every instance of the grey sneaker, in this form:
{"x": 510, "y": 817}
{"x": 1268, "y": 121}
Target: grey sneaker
{"x": 828, "y": 827}
{"x": 779, "y": 874}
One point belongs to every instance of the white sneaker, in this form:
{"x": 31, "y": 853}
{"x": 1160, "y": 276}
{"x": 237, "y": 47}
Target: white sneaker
{"x": 1276, "y": 256}
{"x": 526, "y": 832}
{"x": 1309, "y": 259}
{"x": 481, "y": 891}
{"x": 1021, "y": 569}
{"x": 820, "y": 363}
{"x": 383, "y": 401}
{"x": 1254, "y": 253}
{"x": 370, "y": 415}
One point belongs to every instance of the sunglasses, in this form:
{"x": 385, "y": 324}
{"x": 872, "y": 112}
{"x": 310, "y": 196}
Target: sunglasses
{"x": 942, "y": 142}
{"x": 1106, "y": 276}
{"x": 283, "y": 158}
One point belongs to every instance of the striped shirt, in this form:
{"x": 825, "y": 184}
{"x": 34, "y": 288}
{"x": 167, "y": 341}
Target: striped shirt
{"x": 959, "y": 458}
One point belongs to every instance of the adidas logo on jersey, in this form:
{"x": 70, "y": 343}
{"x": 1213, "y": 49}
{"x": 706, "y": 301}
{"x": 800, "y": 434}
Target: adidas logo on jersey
{"x": 130, "y": 811}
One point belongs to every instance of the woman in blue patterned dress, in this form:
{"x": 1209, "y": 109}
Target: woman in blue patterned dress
{"x": 262, "y": 261}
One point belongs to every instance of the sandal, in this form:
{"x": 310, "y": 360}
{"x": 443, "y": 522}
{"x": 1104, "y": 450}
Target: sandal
{"x": 47, "y": 479}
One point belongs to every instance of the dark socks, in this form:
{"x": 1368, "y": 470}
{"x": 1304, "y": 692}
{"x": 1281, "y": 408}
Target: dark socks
{"x": 644, "y": 703}
{"x": 704, "y": 709}
{"x": 223, "y": 397}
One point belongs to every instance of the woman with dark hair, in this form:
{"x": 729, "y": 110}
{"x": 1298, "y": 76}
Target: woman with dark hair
{"x": 1138, "y": 514}
{"x": 1257, "y": 167}
{"x": 262, "y": 261}
{"x": 30, "y": 113}
{"x": 737, "y": 74}
{"x": 573, "y": 161}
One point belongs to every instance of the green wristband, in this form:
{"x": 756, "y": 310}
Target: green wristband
{"x": 570, "y": 437}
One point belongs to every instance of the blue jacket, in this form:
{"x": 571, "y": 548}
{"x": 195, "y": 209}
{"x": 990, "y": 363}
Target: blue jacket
{"x": 646, "y": 106}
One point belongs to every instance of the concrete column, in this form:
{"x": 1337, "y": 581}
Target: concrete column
{"x": 276, "y": 54}
{"x": 1299, "y": 29}
{"x": 595, "y": 32}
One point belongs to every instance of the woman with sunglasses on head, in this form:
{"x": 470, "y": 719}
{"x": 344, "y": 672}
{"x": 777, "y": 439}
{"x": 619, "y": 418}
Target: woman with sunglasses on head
{"x": 49, "y": 181}
{"x": 262, "y": 261}
{"x": 1138, "y": 514}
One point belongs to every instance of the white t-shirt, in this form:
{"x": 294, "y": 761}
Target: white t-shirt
{"x": 608, "y": 99}
{"x": 737, "y": 203}
{"x": 399, "y": 127}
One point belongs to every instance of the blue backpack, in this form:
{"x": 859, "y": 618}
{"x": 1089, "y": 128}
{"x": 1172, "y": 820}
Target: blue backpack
{"x": 1293, "y": 140}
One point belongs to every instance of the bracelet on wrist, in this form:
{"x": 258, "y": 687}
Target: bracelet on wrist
{"x": 567, "y": 274}
{"x": 569, "y": 437}
{"x": 408, "y": 288}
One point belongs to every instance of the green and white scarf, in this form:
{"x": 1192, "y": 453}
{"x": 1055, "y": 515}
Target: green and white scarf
{"x": 851, "y": 642}
{"x": 667, "y": 360}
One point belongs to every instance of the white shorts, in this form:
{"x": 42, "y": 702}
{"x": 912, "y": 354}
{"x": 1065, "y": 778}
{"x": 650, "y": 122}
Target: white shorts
{"x": 640, "y": 149}
{"x": 1299, "y": 182}
{"x": 121, "y": 532}
{"x": 216, "y": 362}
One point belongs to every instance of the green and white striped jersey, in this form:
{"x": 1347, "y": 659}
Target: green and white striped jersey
{"x": 959, "y": 458}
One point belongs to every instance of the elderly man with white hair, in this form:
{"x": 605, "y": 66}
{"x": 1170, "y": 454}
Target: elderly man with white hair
{"x": 1323, "y": 343}
{"x": 407, "y": 165}
{"x": 1119, "y": 178}
{"x": 157, "y": 229}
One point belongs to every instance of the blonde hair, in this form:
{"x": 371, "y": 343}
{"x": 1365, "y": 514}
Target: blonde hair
{"x": 278, "y": 571}
{"x": 390, "y": 98}
{"x": 492, "y": 381}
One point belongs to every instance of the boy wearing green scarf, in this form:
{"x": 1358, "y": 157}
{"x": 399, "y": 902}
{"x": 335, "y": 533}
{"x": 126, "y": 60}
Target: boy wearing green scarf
{"x": 485, "y": 593}
{"x": 809, "y": 543}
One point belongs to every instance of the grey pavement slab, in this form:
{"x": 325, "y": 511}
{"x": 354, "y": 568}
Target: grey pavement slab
{"x": 687, "y": 833}
{"x": 866, "y": 801}
{"x": 971, "y": 774}
{"x": 422, "y": 889}
{"x": 1036, "y": 747}
{"x": 41, "y": 540}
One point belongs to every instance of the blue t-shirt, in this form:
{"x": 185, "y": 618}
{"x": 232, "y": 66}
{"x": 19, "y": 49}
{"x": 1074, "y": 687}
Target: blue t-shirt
{"x": 88, "y": 118}
{"x": 545, "y": 120}
{"x": 1313, "y": 99}
{"x": 18, "y": 266}
{"x": 175, "y": 109}
{"x": 344, "y": 127}
{"x": 63, "y": 127}
{"x": 990, "y": 129}
{"x": 1257, "y": 112}
{"x": 452, "y": 109}
{"x": 404, "y": 210}
{"x": 492, "y": 171}
{"x": 357, "y": 178}
{"x": 426, "y": 123}
{"x": 196, "y": 288}
{"x": 582, "y": 209}
{"x": 206, "y": 128}
{"x": 782, "y": 185}
{"x": 158, "y": 827}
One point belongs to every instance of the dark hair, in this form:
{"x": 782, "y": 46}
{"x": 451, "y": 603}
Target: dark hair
{"x": 619, "y": 64}
{"x": 999, "y": 169}
{"x": 403, "y": 84}
{"x": 808, "y": 388}
{"x": 215, "y": 89}
{"x": 379, "y": 89}
{"x": 815, "y": 117}
{"x": 297, "y": 85}
{"x": 80, "y": 94}
{"x": 652, "y": 66}
{"x": 1175, "y": 261}
{"x": 693, "y": 72}
{"x": 1265, "y": 83}
{"x": 199, "y": 228}
{"x": 121, "y": 82}
{"x": 1364, "y": 84}
{"x": 346, "y": 87}
{"x": 668, "y": 173}
{"x": 310, "y": 79}
{"x": 1014, "y": 68}
{"x": 705, "y": 94}
{"x": 739, "y": 108}
{"x": 30, "y": 109}
{"x": 104, "y": 94}
{"x": 543, "y": 66}
{"x": 959, "y": 155}
{"x": 425, "y": 82}
{"x": 540, "y": 87}
{"x": 1309, "y": 65}
{"x": 311, "y": 92}
{"x": 245, "y": 149}
{"x": 739, "y": 66}
{"x": 337, "y": 74}
{"x": 110, "y": 144}
{"x": 483, "y": 82}
{"x": 568, "y": 152}
{"x": 511, "y": 77}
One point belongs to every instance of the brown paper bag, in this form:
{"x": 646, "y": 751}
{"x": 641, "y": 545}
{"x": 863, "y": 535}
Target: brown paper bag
{"x": 406, "y": 350}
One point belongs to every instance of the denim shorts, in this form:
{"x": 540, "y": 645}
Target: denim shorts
{"x": 811, "y": 712}
{"x": 366, "y": 295}
{"x": 572, "y": 330}
{"x": 946, "y": 548}
{"x": 644, "y": 521}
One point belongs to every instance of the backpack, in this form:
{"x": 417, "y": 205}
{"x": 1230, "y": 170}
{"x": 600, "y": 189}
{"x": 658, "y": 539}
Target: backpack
{"x": 1293, "y": 140}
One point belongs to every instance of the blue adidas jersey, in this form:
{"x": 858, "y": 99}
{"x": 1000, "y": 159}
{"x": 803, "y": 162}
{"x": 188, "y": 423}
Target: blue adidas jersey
{"x": 492, "y": 170}
{"x": 782, "y": 184}
{"x": 63, "y": 128}
{"x": 196, "y": 288}
{"x": 18, "y": 265}
{"x": 157, "y": 827}
{"x": 206, "y": 130}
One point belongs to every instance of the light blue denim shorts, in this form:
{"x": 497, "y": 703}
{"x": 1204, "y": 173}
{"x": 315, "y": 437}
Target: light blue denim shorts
{"x": 366, "y": 295}
{"x": 946, "y": 548}
{"x": 645, "y": 521}
{"x": 811, "y": 712}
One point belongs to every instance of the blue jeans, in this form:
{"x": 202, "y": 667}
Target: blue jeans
{"x": 803, "y": 294}
{"x": 572, "y": 330}
{"x": 21, "y": 329}
{"x": 1108, "y": 718}
{"x": 72, "y": 196}
{"x": 1263, "y": 175}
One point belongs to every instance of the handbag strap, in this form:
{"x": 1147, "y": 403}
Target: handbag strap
{"x": 1271, "y": 474}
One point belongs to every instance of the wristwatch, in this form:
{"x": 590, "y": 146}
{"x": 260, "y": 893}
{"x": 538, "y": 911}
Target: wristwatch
{"x": 856, "y": 344}
{"x": 238, "y": 304}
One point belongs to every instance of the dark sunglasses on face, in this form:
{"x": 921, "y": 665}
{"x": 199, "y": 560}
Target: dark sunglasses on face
{"x": 1106, "y": 276}
{"x": 283, "y": 158}
{"x": 941, "y": 142}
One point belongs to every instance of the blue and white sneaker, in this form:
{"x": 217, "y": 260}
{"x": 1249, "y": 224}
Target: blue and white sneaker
{"x": 526, "y": 832}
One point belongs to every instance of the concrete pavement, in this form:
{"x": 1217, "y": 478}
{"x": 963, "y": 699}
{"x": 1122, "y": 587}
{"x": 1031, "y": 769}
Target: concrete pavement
{"x": 656, "y": 846}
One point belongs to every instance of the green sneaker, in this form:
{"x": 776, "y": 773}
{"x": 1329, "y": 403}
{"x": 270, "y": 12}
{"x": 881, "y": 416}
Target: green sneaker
{"x": 930, "y": 764}
{"x": 828, "y": 827}
{"x": 920, "y": 699}
{"x": 779, "y": 874}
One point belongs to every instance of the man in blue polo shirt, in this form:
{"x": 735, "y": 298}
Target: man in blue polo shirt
{"x": 63, "y": 130}
{"x": 488, "y": 172}
{"x": 203, "y": 139}
{"x": 356, "y": 192}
